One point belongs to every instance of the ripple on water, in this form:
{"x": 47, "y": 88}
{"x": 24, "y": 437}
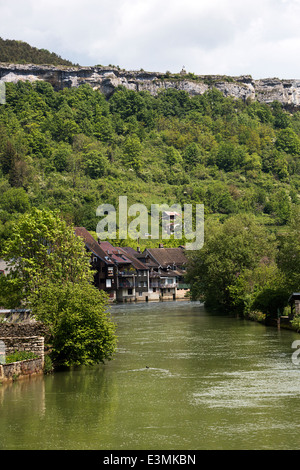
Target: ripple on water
{"x": 240, "y": 389}
{"x": 152, "y": 370}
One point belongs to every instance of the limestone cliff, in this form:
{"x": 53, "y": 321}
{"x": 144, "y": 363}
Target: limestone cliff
{"x": 106, "y": 79}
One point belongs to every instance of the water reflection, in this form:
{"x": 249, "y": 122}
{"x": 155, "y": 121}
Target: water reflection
{"x": 181, "y": 379}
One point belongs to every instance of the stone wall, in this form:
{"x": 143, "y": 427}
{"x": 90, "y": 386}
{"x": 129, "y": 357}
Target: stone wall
{"x": 34, "y": 344}
{"x": 22, "y": 329}
{"x": 22, "y": 337}
{"x": 21, "y": 369}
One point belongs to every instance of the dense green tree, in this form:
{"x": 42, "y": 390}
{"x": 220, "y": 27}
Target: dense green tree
{"x": 72, "y": 149}
{"x": 82, "y": 332}
{"x": 230, "y": 157}
{"x": 15, "y": 200}
{"x": 51, "y": 275}
{"x": 42, "y": 246}
{"x": 262, "y": 289}
{"x": 230, "y": 248}
{"x": 95, "y": 164}
{"x": 133, "y": 152}
{"x": 288, "y": 141}
{"x": 289, "y": 253}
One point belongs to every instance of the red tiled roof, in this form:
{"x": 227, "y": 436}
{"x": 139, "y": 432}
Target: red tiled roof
{"x": 91, "y": 244}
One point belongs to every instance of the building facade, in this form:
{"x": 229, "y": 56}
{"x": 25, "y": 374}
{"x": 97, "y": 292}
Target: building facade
{"x": 128, "y": 275}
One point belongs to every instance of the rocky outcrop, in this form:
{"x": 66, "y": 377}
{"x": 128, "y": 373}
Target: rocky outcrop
{"x": 106, "y": 79}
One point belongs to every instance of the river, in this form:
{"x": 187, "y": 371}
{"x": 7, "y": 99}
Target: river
{"x": 181, "y": 379}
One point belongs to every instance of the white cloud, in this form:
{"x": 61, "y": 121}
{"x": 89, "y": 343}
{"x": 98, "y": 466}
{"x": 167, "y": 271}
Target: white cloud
{"x": 257, "y": 37}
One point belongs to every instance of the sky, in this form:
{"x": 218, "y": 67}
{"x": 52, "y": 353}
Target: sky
{"x": 227, "y": 37}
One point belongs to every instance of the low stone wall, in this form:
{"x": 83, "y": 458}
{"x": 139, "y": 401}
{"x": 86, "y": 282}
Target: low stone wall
{"x": 21, "y": 369}
{"x": 34, "y": 344}
{"x": 27, "y": 337}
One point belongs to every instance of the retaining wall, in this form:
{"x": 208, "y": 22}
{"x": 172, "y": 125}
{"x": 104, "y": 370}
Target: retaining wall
{"x": 21, "y": 369}
{"x": 34, "y": 344}
{"x": 22, "y": 337}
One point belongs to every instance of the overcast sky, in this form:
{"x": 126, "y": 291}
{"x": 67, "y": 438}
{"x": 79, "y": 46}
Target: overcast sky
{"x": 232, "y": 37}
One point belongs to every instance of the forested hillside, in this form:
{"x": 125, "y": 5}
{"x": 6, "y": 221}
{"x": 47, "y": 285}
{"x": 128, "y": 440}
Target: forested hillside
{"x": 20, "y": 52}
{"x": 73, "y": 150}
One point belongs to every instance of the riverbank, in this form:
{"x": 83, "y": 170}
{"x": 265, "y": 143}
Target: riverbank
{"x": 283, "y": 321}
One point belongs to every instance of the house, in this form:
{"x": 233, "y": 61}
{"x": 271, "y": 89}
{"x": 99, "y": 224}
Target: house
{"x": 105, "y": 272}
{"x": 128, "y": 275}
{"x": 170, "y": 221}
{"x": 4, "y": 267}
{"x": 142, "y": 280}
{"x": 167, "y": 269}
{"x": 126, "y": 272}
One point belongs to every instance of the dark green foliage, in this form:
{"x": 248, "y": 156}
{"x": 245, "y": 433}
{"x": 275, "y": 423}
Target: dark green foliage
{"x": 51, "y": 275}
{"x": 230, "y": 250}
{"x": 19, "y": 52}
{"x": 82, "y": 332}
{"x": 73, "y": 150}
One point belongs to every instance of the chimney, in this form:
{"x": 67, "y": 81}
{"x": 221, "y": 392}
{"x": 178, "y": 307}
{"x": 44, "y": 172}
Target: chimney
{"x": 138, "y": 249}
{"x": 99, "y": 241}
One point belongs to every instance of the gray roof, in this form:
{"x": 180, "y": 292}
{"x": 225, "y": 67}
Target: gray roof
{"x": 167, "y": 256}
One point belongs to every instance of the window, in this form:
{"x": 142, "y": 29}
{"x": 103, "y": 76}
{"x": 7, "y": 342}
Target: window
{"x": 140, "y": 294}
{"x": 129, "y": 291}
{"x": 108, "y": 282}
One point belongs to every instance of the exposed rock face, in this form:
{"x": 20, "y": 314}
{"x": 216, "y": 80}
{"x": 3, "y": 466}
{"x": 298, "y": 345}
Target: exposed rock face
{"x": 106, "y": 79}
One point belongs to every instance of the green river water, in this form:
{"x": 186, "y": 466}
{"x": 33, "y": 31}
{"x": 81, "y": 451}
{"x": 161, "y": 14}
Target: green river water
{"x": 181, "y": 379}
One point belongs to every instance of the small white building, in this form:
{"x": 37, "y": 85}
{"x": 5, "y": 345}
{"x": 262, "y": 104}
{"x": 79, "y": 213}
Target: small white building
{"x": 4, "y": 268}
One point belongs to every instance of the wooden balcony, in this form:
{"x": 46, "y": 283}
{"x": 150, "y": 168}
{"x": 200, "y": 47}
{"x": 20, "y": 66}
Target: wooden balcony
{"x": 126, "y": 274}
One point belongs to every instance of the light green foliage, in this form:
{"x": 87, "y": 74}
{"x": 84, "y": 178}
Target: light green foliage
{"x": 69, "y": 148}
{"x": 51, "y": 275}
{"x": 260, "y": 289}
{"x": 74, "y": 149}
{"x": 231, "y": 249}
{"x": 288, "y": 141}
{"x": 133, "y": 152}
{"x": 43, "y": 247}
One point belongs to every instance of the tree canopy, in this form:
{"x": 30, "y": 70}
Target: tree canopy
{"x": 74, "y": 149}
{"x": 20, "y": 52}
{"x": 50, "y": 274}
